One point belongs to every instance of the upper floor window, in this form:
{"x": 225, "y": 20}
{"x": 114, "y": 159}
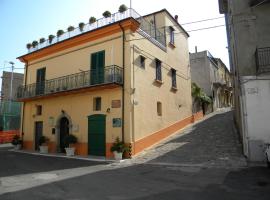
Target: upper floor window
{"x": 97, "y": 104}
{"x": 142, "y": 61}
{"x": 158, "y": 70}
{"x": 39, "y": 110}
{"x": 173, "y": 71}
{"x": 159, "y": 108}
{"x": 171, "y": 29}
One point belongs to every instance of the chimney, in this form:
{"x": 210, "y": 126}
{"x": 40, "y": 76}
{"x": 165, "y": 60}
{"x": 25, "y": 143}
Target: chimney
{"x": 176, "y": 17}
{"x": 196, "y": 50}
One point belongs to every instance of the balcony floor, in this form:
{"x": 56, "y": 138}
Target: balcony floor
{"x": 74, "y": 91}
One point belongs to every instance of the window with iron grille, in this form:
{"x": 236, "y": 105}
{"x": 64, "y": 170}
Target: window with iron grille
{"x": 158, "y": 70}
{"x": 173, "y": 71}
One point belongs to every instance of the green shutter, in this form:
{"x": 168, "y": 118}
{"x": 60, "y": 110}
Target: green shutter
{"x": 97, "y": 67}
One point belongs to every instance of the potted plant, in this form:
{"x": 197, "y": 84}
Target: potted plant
{"x": 51, "y": 38}
{"x": 28, "y": 46}
{"x": 122, "y": 8}
{"x": 81, "y": 25}
{"x": 34, "y": 43}
{"x": 43, "y": 144}
{"x": 41, "y": 40}
{"x": 107, "y": 14}
{"x": 59, "y": 33}
{"x": 118, "y": 148}
{"x": 92, "y": 20}
{"x": 70, "y": 28}
{"x": 17, "y": 142}
{"x": 68, "y": 140}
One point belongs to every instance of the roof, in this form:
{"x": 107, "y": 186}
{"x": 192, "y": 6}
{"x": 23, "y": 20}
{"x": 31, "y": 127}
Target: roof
{"x": 169, "y": 14}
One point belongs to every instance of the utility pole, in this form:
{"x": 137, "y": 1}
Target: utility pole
{"x": 11, "y": 86}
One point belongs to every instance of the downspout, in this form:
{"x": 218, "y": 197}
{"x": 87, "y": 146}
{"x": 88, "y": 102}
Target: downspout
{"x": 123, "y": 86}
{"x": 133, "y": 93}
{"x": 23, "y": 108}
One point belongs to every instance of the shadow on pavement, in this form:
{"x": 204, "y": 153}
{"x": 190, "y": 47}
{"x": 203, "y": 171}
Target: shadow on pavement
{"x": 12, "y": 163}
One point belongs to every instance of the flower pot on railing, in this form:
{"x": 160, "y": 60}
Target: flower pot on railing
{"x": 51, "y": 38}
{"x": 28, "y": 46}
{"x": 81, "y": 26}
{"x": 122, "y": 8}
{"x": 34, "y": 44}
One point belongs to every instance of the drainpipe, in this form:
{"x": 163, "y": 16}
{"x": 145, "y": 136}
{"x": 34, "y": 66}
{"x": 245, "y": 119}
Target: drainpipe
{"x": 23, "y": 108}
{"x": 123, "y": 86}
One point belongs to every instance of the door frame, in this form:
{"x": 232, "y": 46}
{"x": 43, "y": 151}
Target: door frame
{"x": 57, "y": 128}
{"x": 35, "y": 128}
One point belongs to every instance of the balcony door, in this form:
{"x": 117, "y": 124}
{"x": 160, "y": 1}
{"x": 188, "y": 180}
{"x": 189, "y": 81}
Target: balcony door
{"x": 97, "y": 67}
{"x": 40, "y": 81}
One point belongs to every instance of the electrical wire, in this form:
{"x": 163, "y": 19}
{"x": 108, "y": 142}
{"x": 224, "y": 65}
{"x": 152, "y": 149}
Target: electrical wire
{"x": 203, "y": 20}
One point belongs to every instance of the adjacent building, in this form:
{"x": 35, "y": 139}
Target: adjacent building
{"x": 123, "y": 76}
{"x": 10, "y": 109}
{"x": 213, "y": 77}
{"x": 248, "y": 33}
{"x": 9, "y": 92}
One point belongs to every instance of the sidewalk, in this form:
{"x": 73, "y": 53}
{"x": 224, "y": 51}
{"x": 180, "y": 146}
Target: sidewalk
{"x": 6, "y": 145}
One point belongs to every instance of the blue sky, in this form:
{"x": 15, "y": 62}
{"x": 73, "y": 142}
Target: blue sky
{"x": 23, "y": 21}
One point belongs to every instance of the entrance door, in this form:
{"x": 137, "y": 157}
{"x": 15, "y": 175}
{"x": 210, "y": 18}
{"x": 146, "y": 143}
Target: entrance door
{"x": 40, "y": 81}
{"x": 64, "y": 130}
{"x": 38, "y": 133}
{"x": 96, "y": 135}
{"x": 97, "y": 67}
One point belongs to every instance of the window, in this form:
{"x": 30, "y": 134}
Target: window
{"x": 142, "y": 62}
{"x": 159, "y": 108}
{"x": 173, "y": 71}
{"x": 171, "y": 29}
{"x": 39, "y": 110}
{"x": 158, "y": 70}
{"x": 97, "y": 104}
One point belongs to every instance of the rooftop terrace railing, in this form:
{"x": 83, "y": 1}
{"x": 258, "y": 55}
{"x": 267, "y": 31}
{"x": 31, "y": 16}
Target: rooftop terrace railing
{"x": 110, "y": 74}
{"x": 146, "y": 28}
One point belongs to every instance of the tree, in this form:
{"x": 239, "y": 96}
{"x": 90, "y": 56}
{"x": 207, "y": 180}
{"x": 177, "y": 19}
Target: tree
{"x": 198, "y": 96}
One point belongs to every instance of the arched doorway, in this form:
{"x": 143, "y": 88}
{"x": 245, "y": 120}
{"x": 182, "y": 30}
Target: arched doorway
{"x": 64, "y": 130}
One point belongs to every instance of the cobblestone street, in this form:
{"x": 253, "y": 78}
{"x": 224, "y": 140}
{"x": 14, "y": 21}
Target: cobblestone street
{"x": 212, "y": 142}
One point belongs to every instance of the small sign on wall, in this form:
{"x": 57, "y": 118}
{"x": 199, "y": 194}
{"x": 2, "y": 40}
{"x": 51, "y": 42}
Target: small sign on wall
{"x": 116, "y": 103}
{"x": 117, "y": 122}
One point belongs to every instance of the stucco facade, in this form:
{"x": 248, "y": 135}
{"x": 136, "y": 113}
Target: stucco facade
{"x": 248, "y": 33}
{"x": 129, "y": 104}
{"x": 213, "y": 77}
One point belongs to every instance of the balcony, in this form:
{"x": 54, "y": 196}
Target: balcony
{"x": 254, "y": 3}
{"x": 111, "y": 75}
{"x": 146, "y": 29}
{"x": 263, "y": 59}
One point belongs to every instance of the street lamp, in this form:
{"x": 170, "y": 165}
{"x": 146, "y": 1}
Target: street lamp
{"x": 11, "y": 85}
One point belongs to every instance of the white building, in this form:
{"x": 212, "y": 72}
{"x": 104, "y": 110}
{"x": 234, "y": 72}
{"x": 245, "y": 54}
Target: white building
{"x": 248, "y": 31}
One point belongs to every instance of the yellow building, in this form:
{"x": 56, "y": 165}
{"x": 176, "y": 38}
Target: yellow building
{"x": 223, "y": 85}
{"x": 123, "y": 76}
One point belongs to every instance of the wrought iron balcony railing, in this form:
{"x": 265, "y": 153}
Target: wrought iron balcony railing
{"x": 110, "y": 74}
{"x": 146, "y": 28}
{"x": 263, "y": 59}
